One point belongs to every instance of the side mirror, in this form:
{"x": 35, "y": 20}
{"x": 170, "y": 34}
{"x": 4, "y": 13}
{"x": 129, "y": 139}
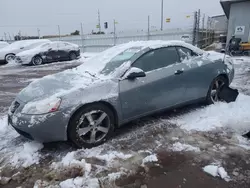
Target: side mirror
{"x": 135, "y": 73}
{"x": 50, "y": 49}
{"x": 21, "y": 48}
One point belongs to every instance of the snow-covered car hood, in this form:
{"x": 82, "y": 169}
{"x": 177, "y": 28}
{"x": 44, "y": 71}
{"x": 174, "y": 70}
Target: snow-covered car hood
{"x": 56, "y": 84}
{"x": 65, "y": 83}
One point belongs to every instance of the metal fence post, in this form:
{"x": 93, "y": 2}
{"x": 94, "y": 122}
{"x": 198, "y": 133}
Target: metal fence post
{"x": 114, "y": 33}
{"x": 82, "y": 38}
{"x": 148, "y": 27}
{"x": 195, "y": 28}
{"x": 59, "y": 32}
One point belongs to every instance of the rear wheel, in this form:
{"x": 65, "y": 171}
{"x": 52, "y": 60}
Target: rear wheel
{"x": 91, "y": 126}
{"x": 9, "y": 58}
{"x": 212, "y": 96}
{"x": 37, "y": 60}
{"x": 72, "y": 56}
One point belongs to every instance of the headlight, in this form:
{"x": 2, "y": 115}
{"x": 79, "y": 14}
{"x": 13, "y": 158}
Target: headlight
{"x": 42, "y": 107}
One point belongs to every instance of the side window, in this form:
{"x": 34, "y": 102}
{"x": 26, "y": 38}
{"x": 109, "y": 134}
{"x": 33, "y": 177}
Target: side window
{"x": 185, "y": 53}
{"x": 157, "y": 59}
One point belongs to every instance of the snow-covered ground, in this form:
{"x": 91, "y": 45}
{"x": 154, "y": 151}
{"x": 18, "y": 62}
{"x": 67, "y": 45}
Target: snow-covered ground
{"x": 211, "y": 135}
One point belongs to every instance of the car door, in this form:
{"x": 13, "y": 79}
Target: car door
{"x": 198, "y": 74}
{"x": 161, "y": 88}
{"x": 63, "y": 51}
{"x": 52, "y": 52}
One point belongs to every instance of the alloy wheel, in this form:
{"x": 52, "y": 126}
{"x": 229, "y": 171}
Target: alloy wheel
{"x": 218, "y": 83}
{"x": 93, "y": 126}
{"x": 37, "y": 60}
{"x": 10, "y": 57}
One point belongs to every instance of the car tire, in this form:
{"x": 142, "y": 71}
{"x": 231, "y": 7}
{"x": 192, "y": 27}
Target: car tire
{"x": 37, "y": 60}
{"x": 9, "y": 57}
{"x": 72, "y": 56}
{"x": 91, "y": 126}
{"x": 217, "y": 83}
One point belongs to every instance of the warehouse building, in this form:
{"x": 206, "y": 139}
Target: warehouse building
{"x": 238, "y": 14}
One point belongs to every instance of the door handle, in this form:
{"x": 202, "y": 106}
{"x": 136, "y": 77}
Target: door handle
{"x": 178, "y": 72}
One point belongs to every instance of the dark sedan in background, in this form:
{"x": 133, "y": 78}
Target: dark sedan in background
{"x": 49, "y": 52}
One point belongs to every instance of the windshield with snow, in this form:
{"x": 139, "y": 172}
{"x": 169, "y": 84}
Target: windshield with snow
{"x": 110, "y": 60}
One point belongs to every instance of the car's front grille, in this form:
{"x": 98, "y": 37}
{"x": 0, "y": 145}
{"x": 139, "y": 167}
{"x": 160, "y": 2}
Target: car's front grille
{"x": 14, "y": 106}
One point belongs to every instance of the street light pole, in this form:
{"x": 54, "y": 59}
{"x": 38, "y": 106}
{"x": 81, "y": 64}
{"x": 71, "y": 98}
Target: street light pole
{"x": 162, "y": 4}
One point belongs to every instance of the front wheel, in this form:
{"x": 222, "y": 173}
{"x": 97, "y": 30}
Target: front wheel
{"x": 213, "y": 92}
{"x": 72, "y": 56}
{"x": 37, "y": 60}
{"x": 91, "y": 126}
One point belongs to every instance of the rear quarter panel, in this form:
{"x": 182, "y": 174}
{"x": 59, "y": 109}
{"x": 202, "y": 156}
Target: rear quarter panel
{"x": 199, "y": 75}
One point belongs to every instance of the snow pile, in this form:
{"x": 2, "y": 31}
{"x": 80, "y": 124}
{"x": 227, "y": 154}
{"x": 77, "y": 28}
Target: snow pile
{"x": 184, "y": 147}
{"x": 233, "y": 116}
{"x": 216, "y": 171}
{"x": 80, "y": 182}
{"x": 116, "y": 175}
{"x": 114, "y": 155}
{"x": 240, "y": 60}
{"x": 27, "y": 154}
{"x": 243, "y": 142}
{"x": 150, "y": 158}
{"x": 3, "y": 124}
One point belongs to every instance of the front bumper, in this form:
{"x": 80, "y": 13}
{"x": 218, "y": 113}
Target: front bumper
{"x": 23, "y": 61}
{"x": 43, "y": 128}
{"x": 3, "y": 62}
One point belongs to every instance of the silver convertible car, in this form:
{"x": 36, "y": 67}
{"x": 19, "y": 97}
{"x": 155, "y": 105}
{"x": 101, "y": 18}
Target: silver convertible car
{"x": 126, "y": 82}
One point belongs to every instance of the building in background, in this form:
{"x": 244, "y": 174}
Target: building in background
{"x": 220, "y": 24}
{"x": 238, "y": 14}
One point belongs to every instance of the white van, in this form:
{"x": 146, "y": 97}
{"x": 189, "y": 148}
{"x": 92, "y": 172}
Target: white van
{"x": 8, "y": 53}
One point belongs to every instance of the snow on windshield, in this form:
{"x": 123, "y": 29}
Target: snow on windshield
{"x": 98, "y": 63}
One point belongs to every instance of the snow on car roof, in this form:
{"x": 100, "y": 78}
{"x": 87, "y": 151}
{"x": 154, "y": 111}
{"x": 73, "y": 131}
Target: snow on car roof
{"x": 97, "y": 63}
{"x": 23, "y": 43}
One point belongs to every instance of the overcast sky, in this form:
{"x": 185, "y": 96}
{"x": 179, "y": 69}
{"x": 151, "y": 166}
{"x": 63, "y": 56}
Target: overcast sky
{"x": 28, "y": 15}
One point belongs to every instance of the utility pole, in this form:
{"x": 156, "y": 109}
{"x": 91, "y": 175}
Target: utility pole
{"x": 38, "y": 33}
{"x": 195, "y": 29}
{"x": 162, "y": 5}
{"x": 82, "y": 38}
{"x": 203, "y": 22}
{"x": 198, "y": 27}
{"x": 59, "y": 32}
{"x": 99, "y": 21}
{"x": 148, "y": 27}
{"x": 114, "y": 32}
{"x": 9, "y": 36}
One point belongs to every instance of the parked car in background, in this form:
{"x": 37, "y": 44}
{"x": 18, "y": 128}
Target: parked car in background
{"x": 126, "y": 82}
{"x": 8, "y": 53}
{"x": 186, "y": 38}
{"x": 49, "y": 52}
{"x": 3, "y": 44}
